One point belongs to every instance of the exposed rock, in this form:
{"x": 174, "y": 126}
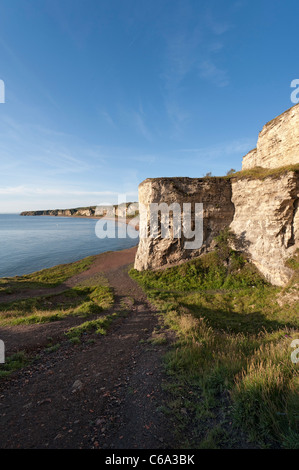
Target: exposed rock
{"x": 79, "y": 212}
{"x": 214, "y": 193}
{"x": 266, "y": 222}
{"x": 278, "y": 142}
{"x": 77, "y": 386}
{"x": 105, "y": 211}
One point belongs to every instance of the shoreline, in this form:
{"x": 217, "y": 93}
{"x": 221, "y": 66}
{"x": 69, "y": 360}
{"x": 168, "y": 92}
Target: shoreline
{"x": 97, "y": 257}
{"x": 122, "y": 220}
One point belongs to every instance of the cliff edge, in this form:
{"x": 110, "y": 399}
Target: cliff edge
{"x": 278, "y": 143}
{"x": 259, "y": 204}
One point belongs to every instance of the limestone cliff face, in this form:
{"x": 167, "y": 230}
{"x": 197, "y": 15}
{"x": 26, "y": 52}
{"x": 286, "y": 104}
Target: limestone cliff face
{"x": 214, "y": 193}
{"x": 278, "y": 142}
{"x": 266, "y": 222}
{"x": 263, "y": 214}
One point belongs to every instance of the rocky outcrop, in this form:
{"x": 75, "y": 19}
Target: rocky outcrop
{"x": 214, "y": 193}
{"x": 266, "y": 222}
{"x": 278, "y": 142}
{"x": 78, "y": 212}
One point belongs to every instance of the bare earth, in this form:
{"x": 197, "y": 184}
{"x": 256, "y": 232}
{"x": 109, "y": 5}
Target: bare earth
{"x": 100, "y": 394}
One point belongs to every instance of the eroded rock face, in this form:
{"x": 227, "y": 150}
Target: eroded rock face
{"x": 214, "y": 193}
{"x": 266, "y": 222}
{"x": 263, "y": 214}
{"x": 278, "y": 142}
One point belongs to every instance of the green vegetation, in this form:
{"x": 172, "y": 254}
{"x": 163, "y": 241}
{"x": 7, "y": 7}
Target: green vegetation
{"x": 293, "y": 263}
{"x": 132, "y": 216}
{"x": 231, "y": 375}
{"x": 46, "y": 278}
{"x": 14, "y": 362}
{"x": 80, "y": 301}
{"x": 262, "y": 173}
{"x": 99, "y": 326}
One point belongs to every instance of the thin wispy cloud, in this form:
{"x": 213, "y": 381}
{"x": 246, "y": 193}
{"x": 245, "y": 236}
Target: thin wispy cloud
{"x": 208, "y": 70}
{"x": 75, "y": 26}
{"x": 218, "y": 26}
{"x": 136, "y": 119}
{"x": 141, "y": 126}
{"x": 56, "y": 152}
{"x": 192, "y": 53}
{"x": 21, "y": 69}
{"x": 180, "y": 57}
{"x": 236, "y": 147}
{"x": 107, "y": 117}
{"x": 37, "y": 191}
{"x": 144, "y": 158}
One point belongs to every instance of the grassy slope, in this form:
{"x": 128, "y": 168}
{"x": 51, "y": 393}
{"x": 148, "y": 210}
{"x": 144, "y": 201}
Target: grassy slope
{"x": 231, "y": 366}
{"x": 46, "y": 278}
{"x": 80, "y": 301}
{"x": 83, "y": 300}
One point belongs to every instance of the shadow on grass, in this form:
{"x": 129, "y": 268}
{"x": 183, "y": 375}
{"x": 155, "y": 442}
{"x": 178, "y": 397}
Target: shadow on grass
{"x": 239, "y": 322}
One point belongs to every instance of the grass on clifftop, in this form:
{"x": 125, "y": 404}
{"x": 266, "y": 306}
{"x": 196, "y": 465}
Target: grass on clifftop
{"x": 231, "y": 375}
{"x": 262, "y": 173}
{"x": 46, "y": 278}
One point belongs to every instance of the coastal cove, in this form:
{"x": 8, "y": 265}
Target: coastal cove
{"x": 29, "y": 244}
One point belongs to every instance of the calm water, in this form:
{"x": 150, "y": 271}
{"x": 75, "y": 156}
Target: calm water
{"x": 28, "y": 244}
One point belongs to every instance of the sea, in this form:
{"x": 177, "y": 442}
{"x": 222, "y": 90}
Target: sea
{"x": 32, "y": 243}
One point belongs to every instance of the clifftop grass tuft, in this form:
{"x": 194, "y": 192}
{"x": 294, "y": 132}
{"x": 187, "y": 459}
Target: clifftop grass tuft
{"x": 262, "y": 173}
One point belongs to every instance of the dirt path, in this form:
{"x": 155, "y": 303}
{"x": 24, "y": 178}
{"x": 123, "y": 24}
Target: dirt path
{"x": 33, "y": 337}
{"x": 103, "y": 262}
{"x": 100, "y": 394}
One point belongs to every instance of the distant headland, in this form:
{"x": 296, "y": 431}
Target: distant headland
{"x": 128, "y": 210}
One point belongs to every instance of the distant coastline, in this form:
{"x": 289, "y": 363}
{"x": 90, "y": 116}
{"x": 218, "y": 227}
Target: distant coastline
{"x": 123, "y": 213}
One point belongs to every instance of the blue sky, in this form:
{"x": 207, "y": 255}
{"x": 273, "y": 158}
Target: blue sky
{"x": 101, "y": 94}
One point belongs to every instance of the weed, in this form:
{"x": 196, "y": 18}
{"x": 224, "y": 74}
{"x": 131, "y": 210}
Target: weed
{"x": 14, "y": 362}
